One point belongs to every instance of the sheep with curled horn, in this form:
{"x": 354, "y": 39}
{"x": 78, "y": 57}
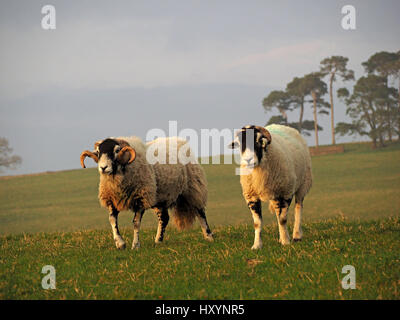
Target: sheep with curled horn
{"x": 133, "y": 178}
{"x": 275, "y": 166}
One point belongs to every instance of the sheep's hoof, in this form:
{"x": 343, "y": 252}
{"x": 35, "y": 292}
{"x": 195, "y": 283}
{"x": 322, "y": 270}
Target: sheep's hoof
{"x": 120, "y": 245}
{"x": 296, "y": 239}
{"x": 135, "y": 245}
{"x": 256, "y": 246}
{"x": 284, "y": 242}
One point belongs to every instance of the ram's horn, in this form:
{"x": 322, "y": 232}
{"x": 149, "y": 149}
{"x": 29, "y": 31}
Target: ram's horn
{"x": 90, "y": 154}
{"x": 131, "y": 152}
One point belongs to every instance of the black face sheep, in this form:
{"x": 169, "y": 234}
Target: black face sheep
{"x": 136, "y": 177}
{"x": 275, "y": 166}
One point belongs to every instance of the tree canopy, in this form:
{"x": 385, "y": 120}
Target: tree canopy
{"x": 366, "y": 106}
{"x": 7, "y": 160}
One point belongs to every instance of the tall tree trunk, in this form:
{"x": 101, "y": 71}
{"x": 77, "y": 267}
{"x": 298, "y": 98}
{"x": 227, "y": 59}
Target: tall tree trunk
{"x": 381, "y": 140}
{"x": 314, "y": 96}
{"x": 284, "y": 115}
{"x": 301, "y": 114}
{"x": 371, "y": 120}
{"x": 332, "y": 115}
{"x": 389, "y": 121}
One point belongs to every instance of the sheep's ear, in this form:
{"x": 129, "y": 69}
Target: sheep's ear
{"x": 266, "y": 137}
{"x": 233, "y": 145}
{"x": 264, "y": 143}
{"x": 96, "y": 144}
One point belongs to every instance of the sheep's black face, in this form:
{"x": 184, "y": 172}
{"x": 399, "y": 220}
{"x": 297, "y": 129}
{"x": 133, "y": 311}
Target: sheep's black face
{"x": 108, "y": 151}
{"x": 110, "y": 155}
{"x": 252, "y": 141}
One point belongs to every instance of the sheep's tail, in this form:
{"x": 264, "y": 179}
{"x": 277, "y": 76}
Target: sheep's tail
{"x": 184, "y": 213}
{"x": 193, "y": 199}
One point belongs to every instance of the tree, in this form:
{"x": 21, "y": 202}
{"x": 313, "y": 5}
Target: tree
{"x": 317, "y": 89}
{"x": 277, "y": 120}
{"x": 6, "y": 160}
{"x": 295, "y": 97}
{"x": 381, "y": 63}
{"x": 343, "y": 128}
{"x": 307, "y": 125}
{"x": 394, "y": 71}
{"x": 333, "y": 67}
{"x": 367, "y": 108}
{"x": 280, "y": 100}
{"x": 386, "y": 64}
{"x": 297, "y": 90}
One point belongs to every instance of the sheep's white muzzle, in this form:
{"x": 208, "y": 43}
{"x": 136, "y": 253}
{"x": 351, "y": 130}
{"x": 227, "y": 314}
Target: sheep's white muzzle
{"x": 104, "y": 165}
{"x": 249, "y": 159}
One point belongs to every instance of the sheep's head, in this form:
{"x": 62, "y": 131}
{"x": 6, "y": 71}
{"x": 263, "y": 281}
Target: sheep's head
{"x": 110, "y": 155}
{"x": 252, "y": 141}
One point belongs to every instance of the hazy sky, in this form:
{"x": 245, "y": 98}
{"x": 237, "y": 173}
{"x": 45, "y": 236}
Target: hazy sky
{"x": 123, "y": 67}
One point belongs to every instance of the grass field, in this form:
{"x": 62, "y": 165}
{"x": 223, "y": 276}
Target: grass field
{"x": 351, "y": 218}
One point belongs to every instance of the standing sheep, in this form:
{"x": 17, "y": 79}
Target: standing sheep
{"x": 131, "y": 178}
{"x": 275, "y": 166}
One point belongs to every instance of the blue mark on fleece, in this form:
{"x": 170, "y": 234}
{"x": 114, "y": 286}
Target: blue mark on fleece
{"x": 278, "y": 130}
{"x": 275, "y": 130}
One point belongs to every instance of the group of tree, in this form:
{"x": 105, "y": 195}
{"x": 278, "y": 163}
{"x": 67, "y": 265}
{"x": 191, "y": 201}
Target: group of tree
{"x": 373, "y": 106}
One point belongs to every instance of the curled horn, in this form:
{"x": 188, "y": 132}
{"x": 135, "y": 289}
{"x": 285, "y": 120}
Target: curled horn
{"x": 90, "y": 154}
{"x": 122, "y": 152}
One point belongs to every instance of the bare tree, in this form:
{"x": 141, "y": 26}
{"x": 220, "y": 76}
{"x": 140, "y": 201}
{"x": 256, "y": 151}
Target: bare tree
{"x": 7, "y": 160}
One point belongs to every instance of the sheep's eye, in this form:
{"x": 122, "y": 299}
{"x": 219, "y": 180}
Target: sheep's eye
{"x": 116, "y": 151}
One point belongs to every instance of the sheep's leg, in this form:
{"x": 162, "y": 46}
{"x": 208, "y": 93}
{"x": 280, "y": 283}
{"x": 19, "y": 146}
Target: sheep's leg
{"x": 255, "y": 208}
{"x": 298, "y": 210}
{"x": 113, "y": 218}
{"x": 163, "y": 219}
{"x": 281, "y": 207}
{"x": 137, "y": 219}
{"x": 204, "y": 225}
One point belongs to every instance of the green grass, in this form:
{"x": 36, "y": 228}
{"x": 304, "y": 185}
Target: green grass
{"x": 187, "y": 267}
{"x": 351, "y": 217}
